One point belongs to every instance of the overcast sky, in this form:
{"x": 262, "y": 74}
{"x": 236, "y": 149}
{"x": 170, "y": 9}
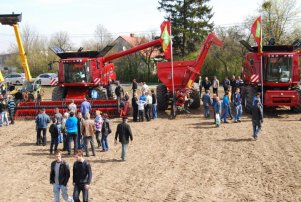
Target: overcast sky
{"x": 79, "y": 18}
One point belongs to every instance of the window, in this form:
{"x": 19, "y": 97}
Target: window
{"x": 279, "y": 69}
{"x": 76, "y": 72}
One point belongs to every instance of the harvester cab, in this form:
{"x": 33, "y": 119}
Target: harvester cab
{"x": 278, "y": 79}
{"x": 34, "y": 86}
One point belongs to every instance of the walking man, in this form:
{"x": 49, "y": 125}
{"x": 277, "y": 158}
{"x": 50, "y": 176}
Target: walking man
{"x": 82, "y": 176}
{"x": 42, "y": 121}
{"x": 71, "y": 127}
{"x": 124, "y": 133}
{"x": 59, "y": 177}
{"x": 257, "y": 118}
{"x": 88, "y": 131}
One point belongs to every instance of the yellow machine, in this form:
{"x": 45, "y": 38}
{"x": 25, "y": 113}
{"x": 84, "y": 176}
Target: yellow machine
{"x": 1, "y": 77}
{"x": 31, "y": 87}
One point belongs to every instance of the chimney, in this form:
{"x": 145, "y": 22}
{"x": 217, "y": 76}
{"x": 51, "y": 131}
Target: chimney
{"x": 132, "y": 35}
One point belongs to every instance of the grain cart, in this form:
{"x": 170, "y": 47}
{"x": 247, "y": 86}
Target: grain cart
{"x": 185, "y": 73}
{"x": 280, "y": 76}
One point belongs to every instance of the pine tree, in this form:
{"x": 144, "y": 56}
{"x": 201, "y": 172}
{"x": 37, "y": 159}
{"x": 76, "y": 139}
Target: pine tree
{"x": 190, "y": 22}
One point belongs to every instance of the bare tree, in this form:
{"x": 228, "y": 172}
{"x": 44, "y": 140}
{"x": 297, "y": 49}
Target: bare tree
{"x": 62, "y": 40}
{"x": 279, "y": 19}
{"x": 103, "y": 37}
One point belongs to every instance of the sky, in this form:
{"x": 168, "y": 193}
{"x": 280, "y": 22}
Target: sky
{"x": 120, "y": 17}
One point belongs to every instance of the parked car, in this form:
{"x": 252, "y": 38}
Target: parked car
{"x": 15, "y": 78}
{"x": 46, "y": 78}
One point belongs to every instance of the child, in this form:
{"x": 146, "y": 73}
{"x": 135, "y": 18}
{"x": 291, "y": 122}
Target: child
{"x": 54, "y": 131}
{"x": 141, "y": 104}
{"x": 98, "y": 125}
{"x": 206, "y": 102}
{"x": 217, "y": 111}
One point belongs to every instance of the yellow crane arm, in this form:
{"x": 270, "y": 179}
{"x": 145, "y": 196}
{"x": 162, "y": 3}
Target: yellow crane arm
{"x": 1, "y": 77}
{"x": 22, "y": 53}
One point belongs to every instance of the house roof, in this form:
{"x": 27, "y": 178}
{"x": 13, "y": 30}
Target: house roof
{"x": 133, "y": 41}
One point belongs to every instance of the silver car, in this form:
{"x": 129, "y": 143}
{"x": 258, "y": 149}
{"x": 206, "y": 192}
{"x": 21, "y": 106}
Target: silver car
{"x": 15, "y": 78}
{"x": 47, "y": 78}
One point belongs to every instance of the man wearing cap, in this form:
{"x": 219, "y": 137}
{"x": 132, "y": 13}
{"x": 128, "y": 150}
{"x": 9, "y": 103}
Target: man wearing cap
{"x": 42, "y": 121}
{"x": 124, "y": 133}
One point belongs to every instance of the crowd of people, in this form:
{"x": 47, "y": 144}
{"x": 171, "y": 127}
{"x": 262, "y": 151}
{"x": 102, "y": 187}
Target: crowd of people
{"x": 232, "y": 98}
{"x": 76, "y": 126}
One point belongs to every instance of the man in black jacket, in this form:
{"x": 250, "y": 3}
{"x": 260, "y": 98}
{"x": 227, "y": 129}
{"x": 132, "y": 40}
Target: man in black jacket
{"x": 124, "y": 132}
{"x": 82, "y": 175}
{"x": 257, "y": 117}
{"x": 59, "y": 177}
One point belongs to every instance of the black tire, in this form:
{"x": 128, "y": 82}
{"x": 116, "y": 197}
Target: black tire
{"x": 102, "y": 93}
{"x": 297, "y": 109}
{"x": 58, "y": 93}
{"x": 162, "y": 98}
{"x": 249, "y": 93}
{"x": 195, "y": 96}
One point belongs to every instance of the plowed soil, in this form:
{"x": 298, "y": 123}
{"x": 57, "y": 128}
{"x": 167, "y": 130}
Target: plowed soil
{"x": 186, "y": 159}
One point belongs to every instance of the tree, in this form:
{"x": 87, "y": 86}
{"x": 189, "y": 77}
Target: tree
{"x": 35, "y": 47}
{"x": 280, "y": 20}
{"x": 61, "y": 40}
{"x": 190, "y": 22}
{"x": 103, "y": 37}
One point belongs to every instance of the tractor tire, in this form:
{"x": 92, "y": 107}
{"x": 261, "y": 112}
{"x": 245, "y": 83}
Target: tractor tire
{"x": 58, "y": 93}
{"x": 195, "y": 96}
{"x": 162, "y": 98}
{"x": 297, "y": 109}
{"x": 249, "y": 93}
{"x": 102, "y": 93}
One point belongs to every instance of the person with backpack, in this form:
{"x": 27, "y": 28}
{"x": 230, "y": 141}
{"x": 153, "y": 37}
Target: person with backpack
{"x": 105, "y": 131}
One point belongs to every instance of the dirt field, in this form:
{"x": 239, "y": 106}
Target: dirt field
{"x": 186, "y": 159}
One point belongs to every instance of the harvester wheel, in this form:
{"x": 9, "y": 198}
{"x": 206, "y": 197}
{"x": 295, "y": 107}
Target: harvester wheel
{"x": 102, "y": 94}
{"x": 162, "y": 97}
{"x": 297, "y": 109}
{"x": 58, "y": 93}
{"x": 249, "y": 93}
{"x": 195, "y": 97}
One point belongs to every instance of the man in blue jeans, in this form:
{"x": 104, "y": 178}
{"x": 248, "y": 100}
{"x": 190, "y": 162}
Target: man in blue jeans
{"x": 237, "y": 105}
{"x": 42, "y": 121}
{"x": 59, "y": 177}
{"x": 71, "y": 127}
{"x": 124, "y": 133}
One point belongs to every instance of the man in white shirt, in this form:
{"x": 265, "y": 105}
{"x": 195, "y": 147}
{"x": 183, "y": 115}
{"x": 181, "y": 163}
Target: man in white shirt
{"x": 215, "y": 85}
{"x": 72, "y": 107}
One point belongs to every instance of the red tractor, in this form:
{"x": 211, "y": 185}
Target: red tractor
{"x": 280, "y": 76}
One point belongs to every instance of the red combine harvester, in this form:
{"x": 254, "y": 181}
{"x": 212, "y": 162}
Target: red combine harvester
{"x": 79, "y": 74}
{"x": 185, "y": 73}
{"x": 280, "y": 74}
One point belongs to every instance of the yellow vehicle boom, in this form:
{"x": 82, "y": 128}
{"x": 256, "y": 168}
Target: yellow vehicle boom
{"x": 12, "y": 20}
